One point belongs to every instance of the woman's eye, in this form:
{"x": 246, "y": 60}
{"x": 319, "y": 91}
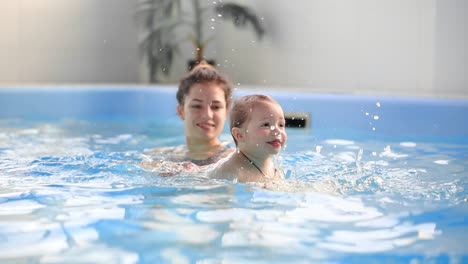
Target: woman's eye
{"x": 196, "y": 106}
{"x": 216, "y": 107}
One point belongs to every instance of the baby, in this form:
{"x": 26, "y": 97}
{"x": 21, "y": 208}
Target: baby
{"x": 258, "y": 129}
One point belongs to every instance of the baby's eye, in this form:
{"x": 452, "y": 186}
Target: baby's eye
{"x": 266, "y": 124}
{"x": 281, "y": 125}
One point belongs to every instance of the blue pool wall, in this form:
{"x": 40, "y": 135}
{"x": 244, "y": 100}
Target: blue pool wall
{"x": 329, "y": 112}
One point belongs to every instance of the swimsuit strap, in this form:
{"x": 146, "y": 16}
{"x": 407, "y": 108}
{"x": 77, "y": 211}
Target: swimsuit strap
{"x": 210, "y": 159}
{"x": 255, "y": 165}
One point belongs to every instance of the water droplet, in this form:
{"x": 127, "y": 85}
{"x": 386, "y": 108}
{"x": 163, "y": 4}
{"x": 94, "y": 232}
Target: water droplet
{"x": 373, "y": 129}
{"x": 219, "y": 15}
{"x": 359, "y": 156}
{"x": 292, "y": 118}
{"x": 367, "y": 113}
{"x": 376, "y": 117}
{"x": 318, "y": 149}
{"x": 213, "y": 19}
{"x": 212, "y": 27}
{"x": 377, "y": 104}
{"x": 272, "y": 127}
{"x": 374, "y": 153}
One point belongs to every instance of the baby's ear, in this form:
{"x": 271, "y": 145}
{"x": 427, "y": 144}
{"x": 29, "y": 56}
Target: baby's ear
{"x": 237, "y": 133}
{"x": 180, "y": 111}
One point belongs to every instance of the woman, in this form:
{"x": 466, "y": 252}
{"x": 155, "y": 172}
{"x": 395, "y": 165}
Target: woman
{"x": 203, "y": 97}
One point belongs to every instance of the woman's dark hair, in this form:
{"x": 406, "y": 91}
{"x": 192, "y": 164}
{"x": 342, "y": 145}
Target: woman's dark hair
{"x": 204, "y": 73}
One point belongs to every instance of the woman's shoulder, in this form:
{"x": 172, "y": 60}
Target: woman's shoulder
{"x": 180, "y": 154}
{"x": 167, "y": 148}
{"x": 172, "y": 152}
{"x": 157, "y": 150}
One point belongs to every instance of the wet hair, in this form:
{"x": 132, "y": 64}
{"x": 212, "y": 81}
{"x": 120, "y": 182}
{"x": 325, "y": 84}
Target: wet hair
{"x": 242, "y": 107}
{"x": 204, "y": 73}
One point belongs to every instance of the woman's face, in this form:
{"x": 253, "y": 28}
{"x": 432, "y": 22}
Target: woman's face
{"x": 204, "y": 111}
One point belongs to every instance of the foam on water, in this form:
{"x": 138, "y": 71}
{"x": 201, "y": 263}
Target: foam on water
{"x": 74, "y": 190}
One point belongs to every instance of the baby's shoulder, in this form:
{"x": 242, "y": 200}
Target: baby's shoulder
{"x": 223, "y": 169}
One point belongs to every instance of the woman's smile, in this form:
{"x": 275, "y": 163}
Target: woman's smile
{"x": 206, "y": 126}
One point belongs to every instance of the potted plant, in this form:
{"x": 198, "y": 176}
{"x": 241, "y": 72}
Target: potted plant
{"x": 163, "y": 19}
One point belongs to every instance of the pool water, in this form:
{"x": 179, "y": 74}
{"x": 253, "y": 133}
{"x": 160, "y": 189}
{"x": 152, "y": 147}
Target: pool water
{"x": 71, "y": 190}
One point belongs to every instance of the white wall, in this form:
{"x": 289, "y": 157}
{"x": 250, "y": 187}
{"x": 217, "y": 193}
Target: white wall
{"x": 351, "y": 46}
{"x": 71, "y": 41}
{"x": 451, "y": 48}
{"x": 391, "y": 47}
{"x": 388, "y": 47}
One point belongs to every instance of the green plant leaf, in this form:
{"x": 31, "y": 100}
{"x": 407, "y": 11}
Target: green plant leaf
{"x": 241, "y": 17}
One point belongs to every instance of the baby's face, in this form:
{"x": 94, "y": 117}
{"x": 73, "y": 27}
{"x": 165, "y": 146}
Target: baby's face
{"x": 265, "y": 130}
